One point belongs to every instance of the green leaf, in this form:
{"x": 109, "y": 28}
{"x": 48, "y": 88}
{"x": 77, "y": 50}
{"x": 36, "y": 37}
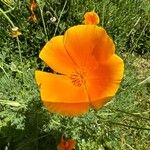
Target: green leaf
{"x": 11, "y": 103}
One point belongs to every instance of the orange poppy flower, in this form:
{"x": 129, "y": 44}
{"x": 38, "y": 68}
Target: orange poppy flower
{"x": 66, "y": 145}
{"x": 89, "y": 71}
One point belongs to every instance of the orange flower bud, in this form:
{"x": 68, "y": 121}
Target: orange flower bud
{"x": 91, "y": 18}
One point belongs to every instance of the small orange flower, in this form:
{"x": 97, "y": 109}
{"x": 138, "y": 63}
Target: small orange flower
{"x": 33, "y": 8}
{"x": 89, "y": 70}
{"x": 66, "y": 145}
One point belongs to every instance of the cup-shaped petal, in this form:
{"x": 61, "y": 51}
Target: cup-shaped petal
{"x": 83, "y": 41}
{"x": 55, "y": 56}
{"x": 60, "y": 95}
{"x": 103, "y": 82}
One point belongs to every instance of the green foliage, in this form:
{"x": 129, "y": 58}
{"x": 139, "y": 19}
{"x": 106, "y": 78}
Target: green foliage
{"x": 26, "y": 125}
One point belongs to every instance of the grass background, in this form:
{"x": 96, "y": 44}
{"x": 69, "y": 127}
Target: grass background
{"x": 123, "y": 124}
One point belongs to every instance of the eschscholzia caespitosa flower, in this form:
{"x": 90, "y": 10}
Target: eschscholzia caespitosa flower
{"x": 88, "y": 70}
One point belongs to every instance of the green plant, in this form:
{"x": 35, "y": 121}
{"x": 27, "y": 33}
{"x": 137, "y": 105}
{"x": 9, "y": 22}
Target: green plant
{"x": 24, "y": 122}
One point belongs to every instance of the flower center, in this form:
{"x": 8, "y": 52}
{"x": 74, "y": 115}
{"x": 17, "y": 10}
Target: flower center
{"x": 77, "y": 79}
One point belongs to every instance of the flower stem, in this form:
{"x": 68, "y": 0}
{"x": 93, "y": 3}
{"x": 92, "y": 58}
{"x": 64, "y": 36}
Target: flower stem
{"x": 60, "y": 18}
{"x": 44, "y": 24}
{"x": 20, "y": 54}
{"x": 124, "y": 125}
{"x": 4, "y": 72}
{"x": 12, "y": 24}
{"x": 41, "y": 12}
{"x": 6, "y": 16}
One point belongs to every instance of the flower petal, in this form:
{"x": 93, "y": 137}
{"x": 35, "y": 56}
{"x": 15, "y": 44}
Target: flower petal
{"x": 60, "y": 95}
{"x": 56, "y": 57}
{"x": 104, "y": 81}
{"x": 82, "y": 41}
{"x": 104, "y": 47}
{"x": 67, "y": 109}
{"x": 79, "y": 42}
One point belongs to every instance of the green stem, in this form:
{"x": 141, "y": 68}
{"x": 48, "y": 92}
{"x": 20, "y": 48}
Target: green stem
{"x": 103, "y": 14}
{"x": 147, "y": 80}
{"x": 135, "y": 115}
{"x": 124, "y": 125}
{"x": 4, "y": 72}
{"x": 12, "y": 24}
{"x": 6, "y": 16}
{"x": 60, "y": 18}
{"x": 20, "y": 54}
{"x": 136, "y": 42}
{"x": 128, "y": 126}
{"x": 7, "y": 4}
{"x": 41, "y": 11}
{"x": 44, "y": 25}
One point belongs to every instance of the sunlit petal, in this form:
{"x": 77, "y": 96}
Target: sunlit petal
{"x": 79, "y": 42}
{"x": 104, "y": 48}
{"x": 60, "y": 95}
{"x": 67, "y": 109}
{"x": 55, "y": 56}
{"x": 83, "y": 41}
{"x": 103, "y": 82}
